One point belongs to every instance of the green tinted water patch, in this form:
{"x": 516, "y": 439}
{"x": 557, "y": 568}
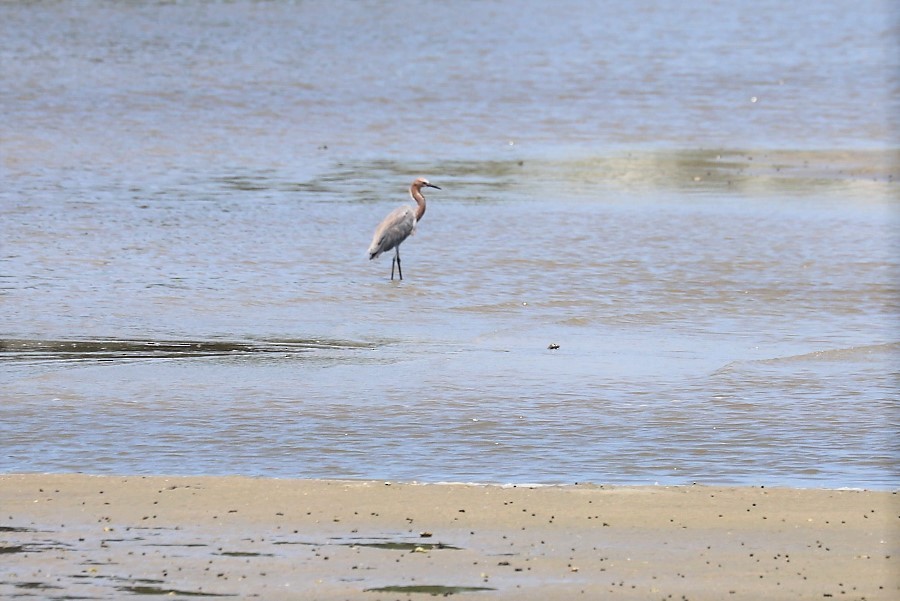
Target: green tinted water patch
{"x": 185, "y": 545}
{"x": 394, "y": 546}
{"x": 727, "y": 170}
{"x": 156, "y": 590}
{"x": 429, "y": 589}
{"x": 246, "y": 183}
{"x": 386, "y": 545}
{"x": 375, "y": 180}
{"x": 130, "y": 581}
{"x": 41, "y": 586}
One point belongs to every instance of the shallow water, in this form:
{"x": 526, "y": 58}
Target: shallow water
{"x": 698, "y": 206}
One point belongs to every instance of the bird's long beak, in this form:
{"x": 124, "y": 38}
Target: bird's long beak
{"x": 432, "y": 186}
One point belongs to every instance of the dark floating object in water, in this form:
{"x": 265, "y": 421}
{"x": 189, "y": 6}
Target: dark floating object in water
{"x": 553, "y": 346}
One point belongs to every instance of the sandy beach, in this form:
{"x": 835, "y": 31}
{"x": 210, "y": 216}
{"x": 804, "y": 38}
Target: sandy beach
{"x": 101, "y": 537}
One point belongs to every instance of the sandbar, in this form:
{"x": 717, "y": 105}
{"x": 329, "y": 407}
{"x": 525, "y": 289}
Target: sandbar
{"x": 76, "y": 536}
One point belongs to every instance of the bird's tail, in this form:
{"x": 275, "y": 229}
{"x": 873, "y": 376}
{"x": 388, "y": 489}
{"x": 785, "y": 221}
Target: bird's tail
{"x": 375, "y": 249}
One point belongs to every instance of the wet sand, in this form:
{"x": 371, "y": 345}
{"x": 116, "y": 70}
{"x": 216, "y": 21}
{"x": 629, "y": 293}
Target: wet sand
{"x": 97, "y": 537}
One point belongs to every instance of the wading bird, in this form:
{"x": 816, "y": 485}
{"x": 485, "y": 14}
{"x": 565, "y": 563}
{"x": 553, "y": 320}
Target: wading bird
{"x": 399, "y": 225}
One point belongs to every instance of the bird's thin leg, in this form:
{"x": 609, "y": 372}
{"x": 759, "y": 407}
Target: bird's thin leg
{"x": 400, "y": 271}
{"x": 393, "y": 260}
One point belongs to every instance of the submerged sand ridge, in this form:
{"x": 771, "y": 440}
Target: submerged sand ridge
{"x": 94, "y": 537}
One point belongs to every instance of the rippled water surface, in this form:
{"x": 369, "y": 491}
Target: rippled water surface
{"x": 696, "y": 203}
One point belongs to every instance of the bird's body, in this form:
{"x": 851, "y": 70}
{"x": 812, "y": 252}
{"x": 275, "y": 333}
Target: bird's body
{"x": 399, "y": 225}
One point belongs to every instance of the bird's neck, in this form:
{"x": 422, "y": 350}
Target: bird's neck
{"x": 420, "y": 202}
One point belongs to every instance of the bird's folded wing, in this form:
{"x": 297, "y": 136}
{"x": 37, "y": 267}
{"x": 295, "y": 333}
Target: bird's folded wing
{"x": 396, "y": 227}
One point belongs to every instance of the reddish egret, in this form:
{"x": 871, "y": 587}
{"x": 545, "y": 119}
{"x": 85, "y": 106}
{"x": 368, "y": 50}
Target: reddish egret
{"x": 399, "y": 224}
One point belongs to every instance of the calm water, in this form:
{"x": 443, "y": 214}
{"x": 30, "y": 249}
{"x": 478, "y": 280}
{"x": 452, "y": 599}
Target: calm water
{"x": 697, "y": 202}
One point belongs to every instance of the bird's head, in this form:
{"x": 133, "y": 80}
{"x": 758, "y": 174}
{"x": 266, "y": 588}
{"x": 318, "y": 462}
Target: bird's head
{"x": 423, "y": 183}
